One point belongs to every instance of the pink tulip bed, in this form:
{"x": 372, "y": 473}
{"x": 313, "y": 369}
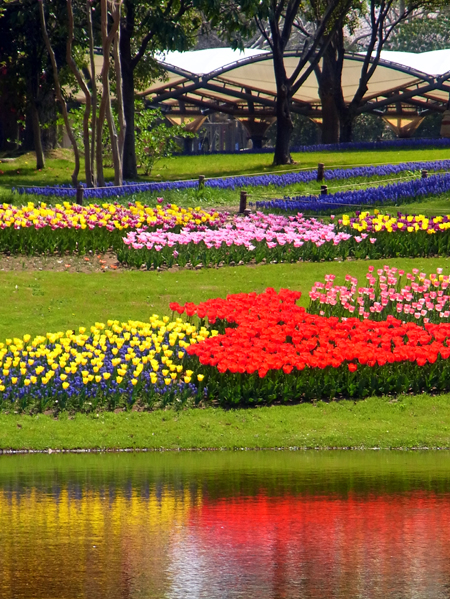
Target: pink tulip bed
{"x": 410, "y": 297}
{"x": 256, "y": 238}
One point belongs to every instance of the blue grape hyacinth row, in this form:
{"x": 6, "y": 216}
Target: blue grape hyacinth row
{"x": 276, "y": 180}
{"x": 395, "y": 193}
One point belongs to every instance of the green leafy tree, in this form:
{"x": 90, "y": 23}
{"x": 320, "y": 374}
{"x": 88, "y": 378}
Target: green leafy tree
{"x": 277, "y": 23}
{"x": 25, "y": 64}
{"x": 427, "y": 31}
{"x": 147, "y": 28}
{"x": 379, "y": 20}
{"x": 154, "y": 137}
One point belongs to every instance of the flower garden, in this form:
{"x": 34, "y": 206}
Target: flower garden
{"x": 386, "y": 335}
{"x": 247, "y": 348}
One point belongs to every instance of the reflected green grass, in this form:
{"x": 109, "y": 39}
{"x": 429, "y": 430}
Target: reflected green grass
{"x": 237, "y": 473}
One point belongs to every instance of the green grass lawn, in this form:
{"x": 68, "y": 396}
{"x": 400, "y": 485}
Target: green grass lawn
{"x": 37, "y": 302}
{"x": 45, "y": 301}
{"x": 59, "y": 166}
{"x": 407, "y": 421}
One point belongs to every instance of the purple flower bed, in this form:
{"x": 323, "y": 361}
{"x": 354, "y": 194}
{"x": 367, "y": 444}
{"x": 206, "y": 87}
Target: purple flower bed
{"x": 395, "y": 193}
{"x": 237, "y": 182}
{"x": 109, "y": 191}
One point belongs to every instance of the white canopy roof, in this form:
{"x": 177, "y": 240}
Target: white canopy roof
{"x": 202, "y": 62}
{"x": 221, "y": 78}
{"x": 432, "y": 63}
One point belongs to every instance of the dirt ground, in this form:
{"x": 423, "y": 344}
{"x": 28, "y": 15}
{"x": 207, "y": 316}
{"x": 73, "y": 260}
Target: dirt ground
{"x": 72, "y": 263}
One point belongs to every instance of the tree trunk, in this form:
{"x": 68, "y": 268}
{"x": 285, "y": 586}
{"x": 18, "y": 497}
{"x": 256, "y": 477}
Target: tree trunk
{"x": 40, "y": 159}
{"x": 59, "y": 95}
{"x": 129, "y": 152}
{"x": 330, "y": 119}
{"x": 284, "y": 127}
{"x": 329, "y": 79}
{"x": 119, "y": 99}
{"x": 48, "y": 116}
{"x": 27, "y": 137}
{"x": 346, "y": 127}
{"x": 87, "y": 96}
{"x": 108, "y": 35}
{"x": 93, "y": 84}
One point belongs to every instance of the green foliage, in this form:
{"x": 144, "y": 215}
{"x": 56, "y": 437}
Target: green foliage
{"x": 154, "y": 137}
{"x": 429, "y": 32}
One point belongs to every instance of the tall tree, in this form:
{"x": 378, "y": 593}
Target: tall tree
{"x": 381, "y": 18}
{"x": 110, "y": 13}
{"x": 58, "y": 90}
{"x": 146, "y": 28}
{"x": 25, "y": 66}
{"x": 429, "y": 30}
{"x": 281, "y": 17}
{"x": 276, "y": 22}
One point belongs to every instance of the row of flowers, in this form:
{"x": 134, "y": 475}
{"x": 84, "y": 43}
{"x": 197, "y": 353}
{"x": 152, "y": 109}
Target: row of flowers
{"x": 270, "y": 237}
{"x": 412, "y": 235}
{"x": 257, "y": 237}
{"x": 270, "y": 349}
{"x": 365, "y": 222}
{"x": 246, "y": 348}
{"x": 113, "y": 364}
{"x": 110, "y": 216}
{"x": 169, "y": 235}
{"x": 394, "y": 193}
{"x": 65, "y": 227}
{"x": 276, "y": 180}
{"x": 389, "y": 291}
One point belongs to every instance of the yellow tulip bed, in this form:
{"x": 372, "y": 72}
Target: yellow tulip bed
{"x": 66, "y": 227}
{"x": 110, "y": 365}
{"x": 394, "y": 235}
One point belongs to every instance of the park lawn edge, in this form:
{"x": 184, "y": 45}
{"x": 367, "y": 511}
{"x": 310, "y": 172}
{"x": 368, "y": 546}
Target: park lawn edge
{"x": 403, "y": 422}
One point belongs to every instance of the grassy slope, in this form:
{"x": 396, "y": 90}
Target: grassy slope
{"x": 45, "y": 301}
{"x": 37, "y": 302}
{"x": 21, "y": 172}
{"x": 59, "y": 165}
{"x": 48, "y": 301}
{"x": 420, "y": 421}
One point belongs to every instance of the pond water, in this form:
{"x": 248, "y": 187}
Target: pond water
{"x": 267, "y": 525}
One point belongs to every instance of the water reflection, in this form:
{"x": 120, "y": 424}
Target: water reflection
{"x": 262, "y": 526}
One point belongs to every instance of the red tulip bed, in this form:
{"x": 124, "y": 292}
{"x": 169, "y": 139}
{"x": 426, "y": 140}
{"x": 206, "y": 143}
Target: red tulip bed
{"x": 270, "y": 349}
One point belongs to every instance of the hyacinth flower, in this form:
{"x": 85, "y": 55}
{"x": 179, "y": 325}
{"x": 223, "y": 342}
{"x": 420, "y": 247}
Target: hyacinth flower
{"x": 239, "y": 181}
{"x": 394, "y": 193}
{"x": 110, "y": 365}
